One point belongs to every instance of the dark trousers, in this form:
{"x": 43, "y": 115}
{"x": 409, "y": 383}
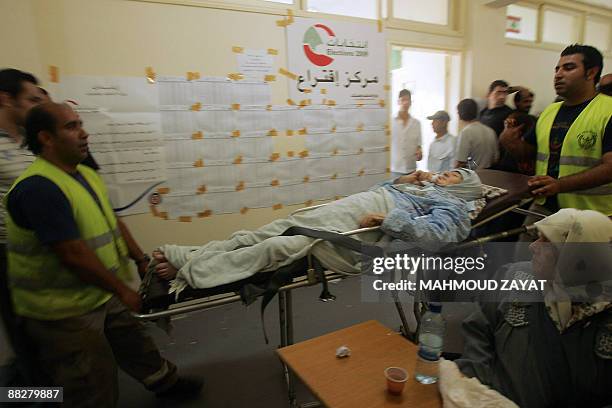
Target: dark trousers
{"x": 82, "y": 354}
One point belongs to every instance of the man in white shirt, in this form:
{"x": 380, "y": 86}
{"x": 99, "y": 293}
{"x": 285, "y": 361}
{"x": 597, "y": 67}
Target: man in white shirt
{"x": 405, "y": 138}
{"x": 477, "y": 147}
{"x": 442, "y": 149}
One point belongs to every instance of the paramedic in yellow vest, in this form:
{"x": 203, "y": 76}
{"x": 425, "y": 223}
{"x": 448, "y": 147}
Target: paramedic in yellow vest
{"x": 572, "y": 141}
{"x": 67, "y": 271}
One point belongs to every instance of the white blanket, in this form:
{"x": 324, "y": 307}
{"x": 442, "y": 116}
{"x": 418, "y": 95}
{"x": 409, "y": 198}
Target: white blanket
{"x": 248, "y": 252}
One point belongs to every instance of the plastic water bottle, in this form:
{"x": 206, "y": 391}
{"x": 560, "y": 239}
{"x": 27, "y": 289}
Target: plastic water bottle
{"x": 431, "y": 341}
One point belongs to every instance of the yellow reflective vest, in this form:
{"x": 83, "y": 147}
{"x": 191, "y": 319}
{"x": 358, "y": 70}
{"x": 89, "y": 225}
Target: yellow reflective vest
{"x": 41, "y": 287}
{"x": 581, "y": 150}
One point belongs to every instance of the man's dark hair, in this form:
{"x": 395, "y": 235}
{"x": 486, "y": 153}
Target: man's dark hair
{"x": 605, "y": 89}
{"x": 39, "y": 118}
{"x": 467, "y": 109}
{"x": 404, "y": 92}
{"x": 11, "y": 81}
{"x": 591, "y": 57}
{"x": 496, "y": 83}
{"x": 518, "y": 96}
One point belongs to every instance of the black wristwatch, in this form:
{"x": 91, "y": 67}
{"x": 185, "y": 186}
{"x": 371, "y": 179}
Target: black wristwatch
{"x": 145, "y": 259}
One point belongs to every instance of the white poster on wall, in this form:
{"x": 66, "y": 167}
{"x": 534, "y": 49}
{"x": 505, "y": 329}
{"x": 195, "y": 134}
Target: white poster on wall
{"x": 336, "y": 60}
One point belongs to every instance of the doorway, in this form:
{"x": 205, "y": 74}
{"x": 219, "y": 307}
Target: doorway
{"x": 433, "y": 78}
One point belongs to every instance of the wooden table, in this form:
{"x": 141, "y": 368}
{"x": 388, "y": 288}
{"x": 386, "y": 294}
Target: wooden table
{"x": 359, "y": 381}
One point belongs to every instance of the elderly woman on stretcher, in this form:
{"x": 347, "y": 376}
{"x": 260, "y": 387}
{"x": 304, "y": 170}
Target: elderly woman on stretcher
{"x": 427, "y": 209}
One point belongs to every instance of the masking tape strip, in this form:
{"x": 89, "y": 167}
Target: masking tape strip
{"x": 289, "y": 132}
{"x": 202, "y": 189}
{"x": 240, "y": 186}
{"x": 198, "y": 163}
{"x": 272, "y": 51}
{"x": 244, "y": 210}
{"x": 380, "y": 26}
{"x": 274, "y": 156}
{"x": 277, "y": 206}
{"x": 387, "y": 87}
{"x": 306, "y": 179}
{"x": 302, "y": 131}
{"x": 163, "y": 215}
{"x": 184, "y": 219}
{"x": 272, "y": 132}
{"x": 382, "y": 103}
{"x": 286, "y": 73}
{"x": 197, "y": 135}
{"x": 237, "y": 50}
{"x": 235, "y": 106}
{"x": 304, "y": 153}
{"x": 191, "y": 76}
{"x": 205, "y": 213}
{"x": 275, "y": 183}
{"x": 236, "y": 133}
{"x": 238, "y": 160}
{"x": 196, "y": 106}
{"x": 150, "y": 74}
{"x": 235, "y": 76}
{"x": 53, "y": 74}
{"x": 323, "y": 91}
{"x": 163, "y": 190}
{"x": 308, "y": 203}
{"x": 270, "y": 78}
{"x": 290, "y": 153}
{"x": 290, "y": 102}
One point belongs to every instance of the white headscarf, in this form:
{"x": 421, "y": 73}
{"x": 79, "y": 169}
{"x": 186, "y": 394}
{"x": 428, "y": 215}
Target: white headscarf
{"x": 582, "y": 241}
{"x": 470, "y": 187}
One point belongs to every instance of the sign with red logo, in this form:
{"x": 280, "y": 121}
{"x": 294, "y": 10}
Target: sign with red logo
{"x": 336, "y": 61}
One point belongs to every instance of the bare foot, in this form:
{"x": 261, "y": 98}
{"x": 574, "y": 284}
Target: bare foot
{"x": 164, "y": 268}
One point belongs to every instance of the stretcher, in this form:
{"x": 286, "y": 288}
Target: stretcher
{"x": 158, "y": 303}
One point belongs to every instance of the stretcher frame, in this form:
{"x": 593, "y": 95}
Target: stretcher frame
{"x": 285, "y": 303}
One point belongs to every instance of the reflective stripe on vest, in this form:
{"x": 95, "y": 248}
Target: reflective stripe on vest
{"x": 31, "y": 284}
{"x": 92, "y": 243}
{"x": 572, "y": 160}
